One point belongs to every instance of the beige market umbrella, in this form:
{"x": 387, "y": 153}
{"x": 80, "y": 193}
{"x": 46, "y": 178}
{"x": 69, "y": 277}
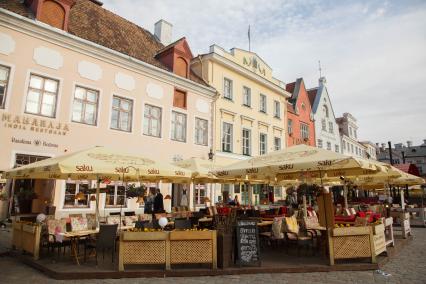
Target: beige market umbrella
{"x": 201, "y": 169}
{"x": 100, "y": 163}
{"x": 298, "y": 162}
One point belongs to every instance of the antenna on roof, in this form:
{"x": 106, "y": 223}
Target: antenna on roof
{"x": 319, "y": 68}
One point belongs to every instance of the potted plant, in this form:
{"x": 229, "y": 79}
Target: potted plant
{"x": 135, "y": 191}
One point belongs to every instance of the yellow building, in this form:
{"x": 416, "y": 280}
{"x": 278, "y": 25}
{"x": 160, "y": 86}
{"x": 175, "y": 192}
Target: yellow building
{"x": 250, "y": 113}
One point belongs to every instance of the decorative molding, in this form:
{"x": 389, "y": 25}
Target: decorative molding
{"x": 277, "y": 128}
{"x": 246, "y": 118}
{"x": 263, "y": 123}
{"x": 61, "y": 38}
{"x": 7, "y": 44}
{"x": 225, "y": 111}
{"x": 89, "y": 70}
{"x": 202, "y": 106}
{"x": 124, "y": 81}
{"x": 154, "y": 91}
{"x": 48, "y": 57}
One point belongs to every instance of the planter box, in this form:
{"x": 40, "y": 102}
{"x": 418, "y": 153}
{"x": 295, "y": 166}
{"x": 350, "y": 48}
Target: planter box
{"x": 379, "y": 239}
{"x": 224, "y": 250}
{"x": 143, "y": 248}
{"x": 351, "y": 231}
{"x": 27, "y": 237}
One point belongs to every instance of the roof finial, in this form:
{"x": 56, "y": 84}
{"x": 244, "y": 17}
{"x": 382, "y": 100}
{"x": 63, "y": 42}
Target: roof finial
{"x": 319, "y": 68}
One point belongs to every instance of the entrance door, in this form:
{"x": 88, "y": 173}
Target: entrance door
{"x": 24, "y": 190}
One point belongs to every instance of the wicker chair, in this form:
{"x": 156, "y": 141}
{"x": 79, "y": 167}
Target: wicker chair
{"x": 293, "y": 235}
{"x": 105, "y": 240}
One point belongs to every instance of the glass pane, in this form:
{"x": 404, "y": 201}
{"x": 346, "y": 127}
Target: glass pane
{"x": 33, "y": 96}
{"x": 49, "y": 99}
{"x": 36, "y": 82}
{"x": 125, "y": 105}
{"x": 50, "y": 85}
{"x": 4, "y": 73}
{"x": 146, "y": 126}
{"x": 79, "y": 93}
{"x": 92, "y": 96}
{"x": 90, "y": 112}
{"x": 31, "y": 107}
{"x": 114, "y": 119}
{"x": 124, "y": 120}
{"x": 77, "y": 109}
{"x": 115, "y": 102}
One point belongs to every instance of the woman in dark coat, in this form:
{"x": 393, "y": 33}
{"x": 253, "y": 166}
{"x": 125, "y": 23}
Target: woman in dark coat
{"x": 158, "y": 202}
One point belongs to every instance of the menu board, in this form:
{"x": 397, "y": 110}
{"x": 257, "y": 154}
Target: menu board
{"x": 248, "y": 252}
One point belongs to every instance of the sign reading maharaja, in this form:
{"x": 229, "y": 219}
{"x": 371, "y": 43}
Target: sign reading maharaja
{"x": 34, "y": 124}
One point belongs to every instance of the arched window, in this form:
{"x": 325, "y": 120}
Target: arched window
{"x": 325, "y": 109}
{"x": 181, "y": 68}
{"x": 53, "y": 14}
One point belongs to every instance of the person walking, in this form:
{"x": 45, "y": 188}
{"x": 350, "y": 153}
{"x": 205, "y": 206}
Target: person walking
{"x": 158, "y": 202}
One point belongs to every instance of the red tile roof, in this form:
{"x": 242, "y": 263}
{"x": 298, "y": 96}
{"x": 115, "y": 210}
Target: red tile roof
{"x": 290, "y": 87}
{"x": 92, "y": 22}
{"x": 408, "y": 168}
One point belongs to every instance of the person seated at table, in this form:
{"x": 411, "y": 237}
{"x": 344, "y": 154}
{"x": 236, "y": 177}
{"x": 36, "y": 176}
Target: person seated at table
{"x": 236, "y": 202}
{"x": 158, "y": 202}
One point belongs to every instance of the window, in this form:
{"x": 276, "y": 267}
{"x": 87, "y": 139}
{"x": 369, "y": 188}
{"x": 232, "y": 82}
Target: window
{"x": 246, "y": 142}
{"x": 121, "y": 117}
{"x": 344, "y": 145}
{"x": 201, "y": 131}
{"x": 355, "y": 133}
{"x": 277, "y": 191}
{"x": 227, "y": 137}
{"x": 325, "y": 110}
{"x": 350, "y": 131}
{"x": 71, "y": 189}
{"x": 329, "y": 146}
{"x": 330, "y": 127}
{"x": 319, "y": 143}
{"x": 85, "y": 105}
{"x": 303, "y": 107}
{"x": 323, "y": 125}
{"x": 246, "y": 96}
{"x": 356, "y": 150}
{"x": 262, "y": 103}
{"x": 179, "y": 99}
{"x": 336, "y": 148}
{"x": 263, "y": 143}
{"x": 178, "y": 126}
{"x": 115, "y": 195}
{"x": 200, "y": 193}
{"x": 277, "y": 109}
{"x": 304, "y": 131}
{"x": 227, "y": 88}
{"x": 152, "y": 121}
{"x": 42, "y": 96}
{"x": 352, "y": 148}
{"x": 4, "y": 81}
{"x": 277, "y": 143}
{"x": 290, "y": 126}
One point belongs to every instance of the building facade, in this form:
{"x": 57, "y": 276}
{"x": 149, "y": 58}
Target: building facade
{"x": 65, "y": 86}
{"x": 300, "y": 119}
{"x": 250, "y": 111}
{"x": 326, "y": 129}
{"x": 348, "y": 130}
{"x": 370, "y": 150}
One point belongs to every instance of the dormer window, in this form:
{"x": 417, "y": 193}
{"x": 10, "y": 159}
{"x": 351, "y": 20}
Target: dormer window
{"x": 52, "y": 12}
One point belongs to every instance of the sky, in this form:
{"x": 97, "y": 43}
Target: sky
{"x": 372, "y": 53}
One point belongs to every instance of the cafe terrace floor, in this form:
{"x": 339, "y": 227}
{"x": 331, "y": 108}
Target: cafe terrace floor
{"x": 273, "y": 261}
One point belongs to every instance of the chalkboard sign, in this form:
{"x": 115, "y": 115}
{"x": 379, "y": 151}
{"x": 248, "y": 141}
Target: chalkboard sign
{"x": 247, "y": 241}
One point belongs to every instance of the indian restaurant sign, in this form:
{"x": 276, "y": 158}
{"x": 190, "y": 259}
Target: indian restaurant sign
{"x": 34, "y": 124}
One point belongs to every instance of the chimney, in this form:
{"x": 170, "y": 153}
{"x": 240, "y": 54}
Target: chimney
{"x": 409, "y": 143}
{"x": 424, "y": 142}
{"x": 163, "y": 32}
{"x": 398, "y": 146}
{"x": 383, "y": 146}
{"x": 322, "y": 81}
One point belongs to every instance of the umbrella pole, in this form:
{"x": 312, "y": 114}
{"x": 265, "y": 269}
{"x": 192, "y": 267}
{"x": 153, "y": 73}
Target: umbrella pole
{"x": 345, "y": 194}
{"x": 98, "y": 185}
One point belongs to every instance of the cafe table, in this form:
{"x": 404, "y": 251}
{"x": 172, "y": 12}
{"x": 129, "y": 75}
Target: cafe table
{"x": 74, "y": 237}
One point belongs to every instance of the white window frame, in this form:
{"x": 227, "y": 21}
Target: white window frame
{"x": 6, "y": 83}
{"x": 203, "y": 140}
{"x": 323, "y": 125}
{"x": 330, "y": 127}
{"x": 84, "y": 103}
{"x": 227, "y": 91}
{"x": 42, "y": 92}
{"x": 174, "y": 124}
{"x": 336, "y": 148}
{"x": 263, "y": 145}
{"x": 246, "y": 142}
{"x": 277, "y": 109}
{"x": 130, "y": 122}
{"x": 227, "y": 136}
{"x": 304, "y": 131}
{"x": 290, "y": 126}
{"x": 115, "y": 195}
{"x": 77, "y": 190}
{"x": 262, "y": 103}
{"x": 329, "y": 146}
{"x": 149, "y": 117}
{"x": 277, "y": 146}
{"x": 319, "y": 143}
{"x": 246, "y": 96}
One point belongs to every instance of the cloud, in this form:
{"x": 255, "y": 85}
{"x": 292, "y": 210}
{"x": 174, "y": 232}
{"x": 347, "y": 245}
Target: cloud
{"x": 372, "y": 52}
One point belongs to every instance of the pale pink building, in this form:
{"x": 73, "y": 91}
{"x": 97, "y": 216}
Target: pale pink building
{"x": 77, "y": 76}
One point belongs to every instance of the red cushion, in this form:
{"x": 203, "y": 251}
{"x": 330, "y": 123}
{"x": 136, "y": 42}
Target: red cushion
{"x": 345, "y": 218}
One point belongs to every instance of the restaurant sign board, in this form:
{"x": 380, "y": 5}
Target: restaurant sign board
{"x": 34, "y": 124}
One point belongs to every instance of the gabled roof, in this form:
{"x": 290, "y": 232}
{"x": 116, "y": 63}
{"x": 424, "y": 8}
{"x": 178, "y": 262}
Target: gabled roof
{"x": 90, "y": 21}
{"x": 290, "y": 108}
{"x": 312, "y": 94}
{"x": 294, "y": 89}
{"x": 167, "y": 47}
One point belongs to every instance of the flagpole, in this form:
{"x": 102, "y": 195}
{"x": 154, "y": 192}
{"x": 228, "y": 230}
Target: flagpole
{"x": 249, "y": 38}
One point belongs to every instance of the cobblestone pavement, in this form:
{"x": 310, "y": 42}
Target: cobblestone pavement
{"x": 409, "y": 266}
